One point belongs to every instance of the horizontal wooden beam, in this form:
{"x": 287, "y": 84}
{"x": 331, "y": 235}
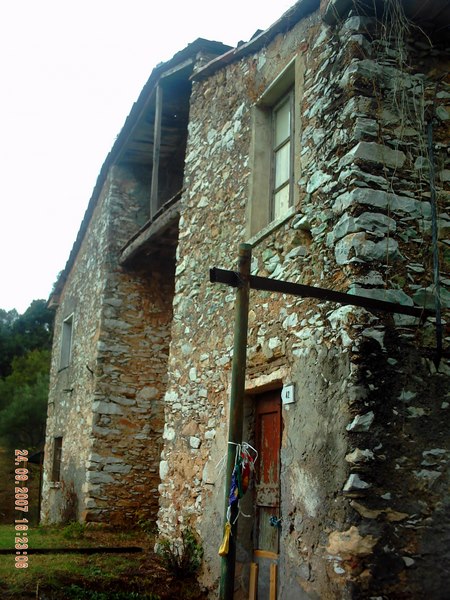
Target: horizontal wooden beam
{"x": 266, "y": 554}
{"x": 152, "y": 231}
{"x": 231, "y": 278}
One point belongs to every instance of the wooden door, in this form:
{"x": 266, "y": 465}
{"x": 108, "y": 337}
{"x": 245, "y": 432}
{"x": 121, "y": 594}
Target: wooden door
{"x": 268, "y": 443}
{"x": 263, "y": 581}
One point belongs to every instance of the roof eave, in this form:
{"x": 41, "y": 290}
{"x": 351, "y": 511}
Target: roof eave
{"x": 193, "y": 49}
{"x": 299, "y": 11}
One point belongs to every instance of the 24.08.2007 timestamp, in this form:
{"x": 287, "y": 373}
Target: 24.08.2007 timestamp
{"x": 21, "y": 503}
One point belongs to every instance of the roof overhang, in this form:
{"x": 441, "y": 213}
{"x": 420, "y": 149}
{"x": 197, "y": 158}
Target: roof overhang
{"x": 135, "y": 141}
{"x": 299, "y": 11}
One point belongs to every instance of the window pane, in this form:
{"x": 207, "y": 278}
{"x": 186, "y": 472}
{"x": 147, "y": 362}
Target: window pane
{"x": 281, "y": 202}
{"x": 282, "y": 164}
{"x": 282, "y": 123}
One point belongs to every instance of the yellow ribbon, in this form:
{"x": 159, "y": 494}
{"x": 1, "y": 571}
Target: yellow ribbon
{"x": 223, "y": 550}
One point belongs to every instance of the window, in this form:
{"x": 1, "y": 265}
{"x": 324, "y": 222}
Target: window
{"x": 66, "y": 342}
{"x": 57, "y": 453}
{"x": 273, "y": 166}
{"x": 282, "y": 163}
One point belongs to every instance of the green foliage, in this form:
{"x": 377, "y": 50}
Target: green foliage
{"x": 19, "y": 334}
{"x": 35, "y": 326}
{"x": 23, "y": 400}
{"x": 25, "y": 371}
{"x": 148, "y": 526}
{"x": 74, "y": 531}
{"x": 25, "y": 346}
{"x": 182, "y": 557}
{"x": 7, "y": 317}
{"x": 52, "y": 576}
{"x": 7, "y": 341}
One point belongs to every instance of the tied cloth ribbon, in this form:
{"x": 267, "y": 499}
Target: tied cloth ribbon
{"x": 240, "y": 479}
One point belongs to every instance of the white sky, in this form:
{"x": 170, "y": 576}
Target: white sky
{"x": 70, "y": 72}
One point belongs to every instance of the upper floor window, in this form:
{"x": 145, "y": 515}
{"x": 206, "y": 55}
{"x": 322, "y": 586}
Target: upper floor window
{"x": 275, "y": 125}
{"x": 66, "y": 342}
{"x": 282, "y": 163}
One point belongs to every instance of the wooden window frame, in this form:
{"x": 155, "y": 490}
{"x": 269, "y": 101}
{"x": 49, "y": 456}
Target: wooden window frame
{"x": 260, "y": 218}
{"x": 66, "y": 342}
{"x": 287, "y": 98}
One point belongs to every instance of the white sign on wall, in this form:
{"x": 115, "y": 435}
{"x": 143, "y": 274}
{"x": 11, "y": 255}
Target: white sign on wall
{"x": 288, "y": 393}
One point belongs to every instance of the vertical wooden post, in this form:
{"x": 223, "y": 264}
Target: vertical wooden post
{"x": 236, "y": 411}
{"x": 253, "y": 585}
{"x": 273, "y": 582}
{"x": 156, "y": 151}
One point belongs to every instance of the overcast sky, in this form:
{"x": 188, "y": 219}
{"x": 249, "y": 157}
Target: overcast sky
{"x": 70, "y": 72}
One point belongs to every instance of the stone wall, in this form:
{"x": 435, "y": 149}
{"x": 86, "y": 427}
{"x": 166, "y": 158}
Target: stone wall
{"x": 118, "y": 369}
{"x": 364, "y": 450}
{"x": 72, "y": 388}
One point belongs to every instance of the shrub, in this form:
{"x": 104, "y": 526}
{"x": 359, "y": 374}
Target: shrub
{"x": 74, "y": 531}
{"x": 148, "y": 526}
{"x": 181, "y": 557}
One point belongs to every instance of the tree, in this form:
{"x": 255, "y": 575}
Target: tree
{"x": 23, "y": 400}
{"x": 21, "y": 333}
{"x": 7, "y": 317}
{"x": 7, "y": 349}
{"x": 34, "y": 327}
{"x": 25, "y": 348}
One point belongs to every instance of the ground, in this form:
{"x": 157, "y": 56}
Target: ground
{"x": 100, "y": 576}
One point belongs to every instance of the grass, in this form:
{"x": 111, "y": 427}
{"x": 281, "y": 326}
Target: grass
{"x": 89, "y": 577}
{"x": 55, "y": 570}
{"x": 77, "y": 576}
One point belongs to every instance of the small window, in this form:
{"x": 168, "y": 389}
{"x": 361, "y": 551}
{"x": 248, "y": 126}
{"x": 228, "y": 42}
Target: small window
{"x": 57, "y": 454}
{"x": 272, "y": 190}
{"x": 66, "y": 342}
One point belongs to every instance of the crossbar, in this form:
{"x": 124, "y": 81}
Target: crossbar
{"x": 232, "y": 279}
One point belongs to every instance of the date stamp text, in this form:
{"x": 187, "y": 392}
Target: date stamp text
{"x": 21, "y": 504}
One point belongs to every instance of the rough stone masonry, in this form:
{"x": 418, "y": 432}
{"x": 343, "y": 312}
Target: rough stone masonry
{"x": 364, "y": 457}
{"x": 143, "y": 406}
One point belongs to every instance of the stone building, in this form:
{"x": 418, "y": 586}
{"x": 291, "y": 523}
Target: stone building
{"x": 322, "y": 143}
{"x": 114, "y": 312}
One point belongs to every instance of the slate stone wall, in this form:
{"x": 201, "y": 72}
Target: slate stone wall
{"x": 365, "y": 449}
{"x": 122, "y": 478}
{"x": 71, "y": 389}
{"x": 107, "y": 404}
